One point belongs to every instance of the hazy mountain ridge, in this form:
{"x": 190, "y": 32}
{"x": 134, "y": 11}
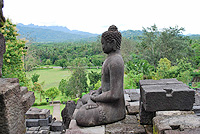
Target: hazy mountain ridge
{"x": 53, "y": 34}
{"x": 63, "y": 34}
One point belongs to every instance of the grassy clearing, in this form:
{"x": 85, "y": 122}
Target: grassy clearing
{"x": 52, "y": 78}
{"x": 45, "y": 107}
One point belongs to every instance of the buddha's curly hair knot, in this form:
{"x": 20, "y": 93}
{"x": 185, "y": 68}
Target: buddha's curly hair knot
{"x": 111, "y": 34}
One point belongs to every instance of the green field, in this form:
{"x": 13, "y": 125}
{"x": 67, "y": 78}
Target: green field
{"x": 52, "y": 78}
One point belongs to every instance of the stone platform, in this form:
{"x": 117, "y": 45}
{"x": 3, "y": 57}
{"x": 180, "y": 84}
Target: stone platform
{"x": 129, "y": 125}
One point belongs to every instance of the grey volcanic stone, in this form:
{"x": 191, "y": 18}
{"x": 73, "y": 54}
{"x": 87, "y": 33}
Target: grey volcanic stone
{"x": 35, "y": 113}
{"x": 33, "y": 129}
{"x": 162, "y": 95}
{"x": 74, "y": 129}
{"x": 180, "y": 121}
{"x": 128, "y": 126}
{"x": 43, "y": 132}
{"x": 160, "y": 82}
{"x": 56, "y": 126}
{"x": 134, "y": 97}
{"x": 186, "y": 131}
{"x": 167, "y": 97}
{"x": 127, "y": 97}
{"x": 133, "y": 107}
{"x": 32, "y": 122}
{"x": 197, "y": 99}
{"x": 67, "y": 113}
{"x": 145, "y": 116}
{"x": 43, "y": 122}
{"x": 12, "y": 120}
{"x": 196, "y": 109}
{"x": 45, "y": 128}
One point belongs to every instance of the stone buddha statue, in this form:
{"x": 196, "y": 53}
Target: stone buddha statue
{"x": 106, "y": 105}
{"x": 2, "y": 40}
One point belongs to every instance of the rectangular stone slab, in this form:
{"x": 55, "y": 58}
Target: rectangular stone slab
{"x": 167, "y": 97}
{"x": 160, "y": 82}
{"x": 157, "y": 82}
{"x": 35, "y": 113}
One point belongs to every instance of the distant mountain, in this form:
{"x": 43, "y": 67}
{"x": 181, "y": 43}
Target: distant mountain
{"x": 53, "y": 33}
{"x": 195, "y": 36}
{"x": 63, "y": 34}
{"x": 132, "y": 34}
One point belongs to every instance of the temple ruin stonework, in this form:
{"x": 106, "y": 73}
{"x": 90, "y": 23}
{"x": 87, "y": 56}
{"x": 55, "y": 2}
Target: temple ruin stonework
{"x": 14, "y": 102}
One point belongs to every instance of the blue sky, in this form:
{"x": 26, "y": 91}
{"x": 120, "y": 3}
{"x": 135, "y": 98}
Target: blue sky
{"x": 96, "y": 16}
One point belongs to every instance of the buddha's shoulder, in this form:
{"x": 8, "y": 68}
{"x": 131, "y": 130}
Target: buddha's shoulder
{"x": 116, "y": 59}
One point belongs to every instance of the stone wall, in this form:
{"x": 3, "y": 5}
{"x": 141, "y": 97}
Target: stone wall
{"x": 14, "y": 102}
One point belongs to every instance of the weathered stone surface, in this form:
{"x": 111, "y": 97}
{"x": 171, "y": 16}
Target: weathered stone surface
{"x": 33, "y": 129}
{"x": 67, "y": 113}
{"x": 134, "y": 94}
{"x": 167, "y": 97}
{"x": 126, "y": 97}
{"x": 129, "y": 125}
{"x": 175, "y": 122}
{"x": 134, "y": 97}
{"x": 45, "y": 128}
{"x": 75, "y": 129}
{"x": 146, "y": 116}
{"x": 43, "y": 122}
{"x": 186, "y": 131}
{"x": 43, "y": 132}
{"x": 28, "y": 100}
{"x": 11, "y": 104}
{"x": 133, "y": 108}
{"x": 162, "y": 95}
{"x": 56, "y": 126}
{"x": 160, "y": 82}
{"x": 130, "y": 91}
{"x": 196, "y": 110}
{"x": 55, "y": 132}
{"x": 32, "y": 122}
{"x": 35, "y": 113}
{"x": 197, "y": 98}
{"x": 31, "y": 132}
{"x": 173, "y": 113}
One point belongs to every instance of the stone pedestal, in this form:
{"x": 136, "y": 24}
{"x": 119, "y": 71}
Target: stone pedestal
{"x": 14, "y": 102}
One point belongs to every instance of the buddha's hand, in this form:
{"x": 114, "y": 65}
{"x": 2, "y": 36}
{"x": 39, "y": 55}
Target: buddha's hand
{"x": 91, "y": 106}
{"x": 92, "y": 92}
{"x": 93, "y": 97}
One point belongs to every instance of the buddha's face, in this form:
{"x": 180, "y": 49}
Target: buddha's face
{"x": 106, "y": 46}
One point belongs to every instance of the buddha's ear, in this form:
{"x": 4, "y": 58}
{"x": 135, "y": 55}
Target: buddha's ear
{"x": 114, "y": 44}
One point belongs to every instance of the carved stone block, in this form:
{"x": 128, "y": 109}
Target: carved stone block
{"x": 35, "y": 113}
{"x": 167, "y": 97}
{"x": 13, "y": 106}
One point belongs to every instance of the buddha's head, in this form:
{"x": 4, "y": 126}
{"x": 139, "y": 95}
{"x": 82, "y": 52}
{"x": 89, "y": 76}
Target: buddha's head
{"x": 111, "y": 40}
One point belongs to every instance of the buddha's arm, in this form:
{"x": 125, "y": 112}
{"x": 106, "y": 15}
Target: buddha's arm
{"x": 116, "y": 84}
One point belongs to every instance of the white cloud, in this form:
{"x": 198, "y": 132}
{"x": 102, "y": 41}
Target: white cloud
{"x": 94, "y": 15}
